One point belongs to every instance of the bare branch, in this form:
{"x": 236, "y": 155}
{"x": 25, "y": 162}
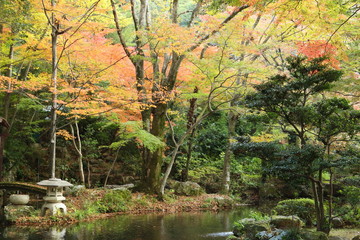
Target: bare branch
{"x": 135, "y": 20}
{"x": 342, "y": 24}
{"x": 119, "y": 31}
{"x": 195, "y": 12}
{"x": 230, "y": 17}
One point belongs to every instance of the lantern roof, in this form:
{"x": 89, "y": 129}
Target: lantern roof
{"x": 54, "y": 182}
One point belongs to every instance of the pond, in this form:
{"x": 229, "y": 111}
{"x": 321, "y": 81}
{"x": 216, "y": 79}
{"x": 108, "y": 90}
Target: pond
{"x": 179, "y": 226}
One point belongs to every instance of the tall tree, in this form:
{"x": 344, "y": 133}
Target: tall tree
{"x": 59, "y": 27}
{"x": 155, "y": 89}
{"x": 291, "y": 98}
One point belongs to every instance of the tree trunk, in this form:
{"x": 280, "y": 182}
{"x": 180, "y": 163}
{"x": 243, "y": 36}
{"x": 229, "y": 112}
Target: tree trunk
{"x": 331, "y": 185}
{"x": 317, "y": 189}
{"x": 112, "y": 167}
{"x": 88, "y": 174}
{"x": 4, "y": 126}
{"x": 155, "y": 159}
{"x": 324, "y": 226}
{"x": 168, "y": 169}
{"x": 232, "y": 119}
{"x": 191, "y": 120}
{"x": 54, "y": 35}
{"x": 78, "y": 148}
{"x": 7, "y": 98}
{"x": 174, "y": 11}
{"x": 316, "y": 201}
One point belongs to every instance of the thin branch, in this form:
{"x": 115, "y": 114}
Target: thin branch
{"x": 342, "y": 24}
{"x": 230, "y": 17}
{"x": 47, "y": 16}
{"x": 135, "y": 20}
{"x": 119, "y": 31}
{"x": 195, "y": 12}
{"x": 112, "y": 166}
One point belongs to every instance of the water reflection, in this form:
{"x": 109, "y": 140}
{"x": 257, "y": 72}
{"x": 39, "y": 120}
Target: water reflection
{"x": 27, "y": 233}
{"x": 220, "y": 234}
{"x": 181, "y": 226}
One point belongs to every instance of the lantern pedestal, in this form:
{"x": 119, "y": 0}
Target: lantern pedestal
{"x": 54, "y": 196}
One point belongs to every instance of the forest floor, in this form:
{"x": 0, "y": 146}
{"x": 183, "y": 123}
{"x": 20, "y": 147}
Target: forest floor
{"x": 81, "y": 206}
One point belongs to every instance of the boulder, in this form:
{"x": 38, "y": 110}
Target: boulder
{"x": 336, "y": 238}
{"x": 232, "y": 238}
{"x": 337, "y": 222}
{"x": 222, "y": 202}
{"x": 286, "y": 222}
{"x": 279, "y": 236}
{"x": 187, "y": 188}
{"x": 13, "y": 212}
{"x": 249, "y": 227}
{"x": 273, "y": 235}
{"x": 310, "y": 235}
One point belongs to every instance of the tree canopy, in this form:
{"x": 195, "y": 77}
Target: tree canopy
{"x": 152, "y": 72}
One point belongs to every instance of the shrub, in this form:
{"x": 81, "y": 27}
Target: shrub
{"x": 88, "y": 210}
{"x": 350, "y": 211}
{"x": 351, "y": 181}
{"x": 304, "y": 208}
{"x": 251, "y": 180}
{"x": 114, "y": 201}
{"x": 292, "y": 235}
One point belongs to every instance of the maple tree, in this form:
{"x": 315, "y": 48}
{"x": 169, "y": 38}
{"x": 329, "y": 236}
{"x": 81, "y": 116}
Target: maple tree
{"x": 166, "y": 51}
{"x": 59, "y": 27}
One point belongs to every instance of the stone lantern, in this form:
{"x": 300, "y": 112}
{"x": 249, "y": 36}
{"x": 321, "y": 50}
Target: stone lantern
{"x": 54, "y": 196}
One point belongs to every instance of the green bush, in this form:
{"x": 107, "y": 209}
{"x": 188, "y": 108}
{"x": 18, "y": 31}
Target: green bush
{"x": 351, "y": 181}
{"x": 350, "y": 211}
{"x": 292, "y": 235}
{"x": 251, "y": 180}
{"x": 114, "y": 201}
{"x": 304, "y": 208}
{"x": 258, "y": 216}
{"x": 88, "y": 210}
{"x": 202, "y": 173}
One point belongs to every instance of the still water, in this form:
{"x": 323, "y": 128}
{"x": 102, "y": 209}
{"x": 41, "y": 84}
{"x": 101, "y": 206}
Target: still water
{"x": 179, "y": 226}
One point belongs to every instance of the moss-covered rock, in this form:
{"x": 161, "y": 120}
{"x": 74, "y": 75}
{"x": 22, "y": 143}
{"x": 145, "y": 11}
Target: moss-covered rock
{"x": 312, "y": 235}
{"x": 13, "y": 212}
{"x": 277, "y": 234}
{"x": 249, "y": 227}
{"x": 337, "y": 222}
{"x": 335, "y": 238}
{"x": 222, "y": 202}
{"x": 232, "y": 238}
{"x": 286, "y": 222}
{"x": 304, "y": 208}
{"x": 187, "y": 188}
